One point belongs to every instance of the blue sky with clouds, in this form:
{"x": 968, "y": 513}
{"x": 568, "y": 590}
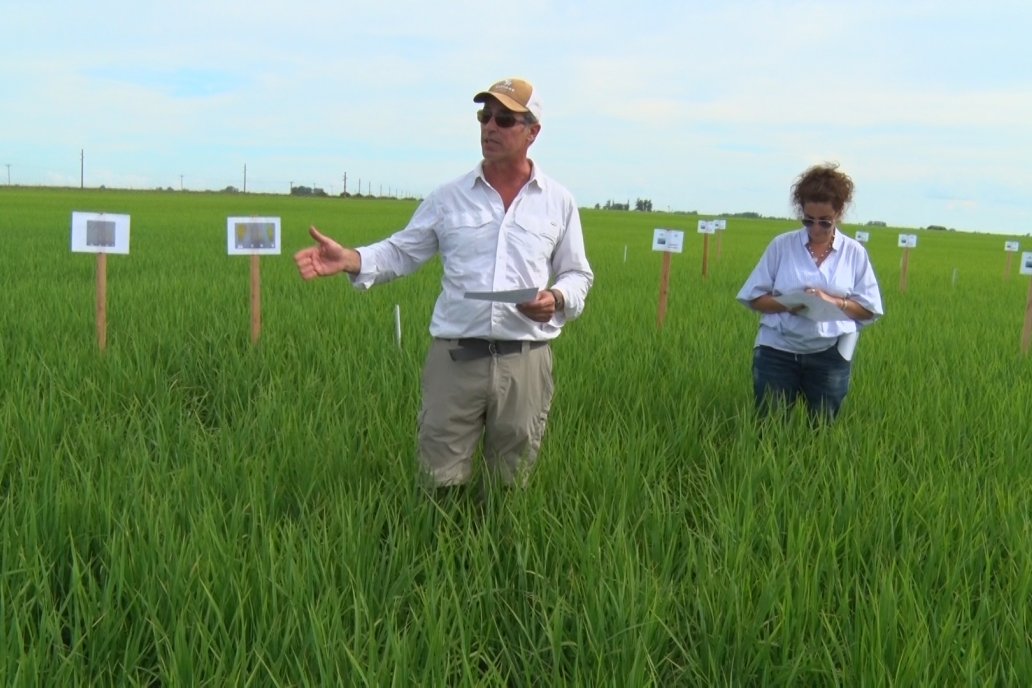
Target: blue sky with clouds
{"x": 705, "y": 106}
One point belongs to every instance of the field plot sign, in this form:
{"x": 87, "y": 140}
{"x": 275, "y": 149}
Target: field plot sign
{"x": 102, "y": 234}
{"x": 255, "y": 237}
{"x": 906, "y": 242}
{"x": 666, "y": 241}
{"x": 863, "y": 237}
{"x": 1010, "y": 247}
{"x": 1026, "y": 333}
{"x": 706, "y": 227}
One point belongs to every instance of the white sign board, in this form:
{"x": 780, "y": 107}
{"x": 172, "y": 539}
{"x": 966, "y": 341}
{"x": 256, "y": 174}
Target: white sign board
{"x": 1011, "y": 246}
{"x": 253, "y": 236}
{"x": 707, "y": 227}
{"x": 908, "y": 241}
{"x": 1026, "y": 263}
{"x": 863, "y": 237}
{"x": 100, "y": 233}
{"x": 668, "y": 240}
{"x": 720, "y": 225}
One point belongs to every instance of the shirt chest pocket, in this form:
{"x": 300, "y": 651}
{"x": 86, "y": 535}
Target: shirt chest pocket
{"x": 468, "y": 235}
{"x": 535, "y": 235}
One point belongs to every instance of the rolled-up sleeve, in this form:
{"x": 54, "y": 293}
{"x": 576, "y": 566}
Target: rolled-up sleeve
{"x": 573, "y": 274}
{"x": 761, "y": 280}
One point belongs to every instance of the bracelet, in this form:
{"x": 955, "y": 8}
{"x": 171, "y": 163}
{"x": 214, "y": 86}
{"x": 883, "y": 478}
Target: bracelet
{"x": 560, "y": 301}
{"x": 845, "y": 305}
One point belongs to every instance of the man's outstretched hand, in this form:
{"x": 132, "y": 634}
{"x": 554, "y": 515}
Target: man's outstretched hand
{"x": 326, "y": 258}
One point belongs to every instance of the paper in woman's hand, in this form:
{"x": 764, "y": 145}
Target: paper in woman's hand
{"x": 816, "y": 308}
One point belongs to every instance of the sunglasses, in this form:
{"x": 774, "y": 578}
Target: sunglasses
{"x": 504, "y": 120}
{"x": 810, "y": 222}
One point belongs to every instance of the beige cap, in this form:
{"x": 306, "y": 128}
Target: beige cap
{"x": 516, "y": 94}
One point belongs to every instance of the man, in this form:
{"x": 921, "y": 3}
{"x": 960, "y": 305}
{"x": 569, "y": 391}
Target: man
{"x": 503, "y": 226}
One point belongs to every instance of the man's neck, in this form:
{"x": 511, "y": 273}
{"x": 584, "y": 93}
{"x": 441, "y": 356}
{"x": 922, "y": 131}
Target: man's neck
{"x": 508, "y": 173}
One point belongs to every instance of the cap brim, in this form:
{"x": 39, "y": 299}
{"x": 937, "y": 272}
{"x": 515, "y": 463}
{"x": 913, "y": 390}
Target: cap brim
{"x": 503, "y": 99}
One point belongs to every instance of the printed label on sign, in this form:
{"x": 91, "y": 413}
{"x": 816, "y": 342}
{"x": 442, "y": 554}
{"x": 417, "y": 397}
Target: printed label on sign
{"x": 100, "y": 233}
{"x": 668, "y": 240}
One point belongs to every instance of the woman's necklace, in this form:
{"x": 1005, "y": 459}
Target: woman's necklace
{"x": 819, "y": 256}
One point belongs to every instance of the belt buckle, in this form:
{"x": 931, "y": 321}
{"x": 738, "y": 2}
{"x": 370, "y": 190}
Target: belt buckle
{"x": 492, "y": 347}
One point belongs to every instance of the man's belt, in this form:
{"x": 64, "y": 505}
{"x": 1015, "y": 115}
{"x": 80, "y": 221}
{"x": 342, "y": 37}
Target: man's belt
{"x": 472, "y": 349}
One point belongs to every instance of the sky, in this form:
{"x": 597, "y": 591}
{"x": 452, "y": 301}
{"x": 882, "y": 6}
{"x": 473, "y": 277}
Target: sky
{"x": 714, "y": 107}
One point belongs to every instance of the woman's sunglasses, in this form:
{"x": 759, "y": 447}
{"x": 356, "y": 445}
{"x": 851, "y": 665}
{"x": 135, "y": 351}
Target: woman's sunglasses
{"x": 810, "y": 222}
{"x": 502, "y": 119}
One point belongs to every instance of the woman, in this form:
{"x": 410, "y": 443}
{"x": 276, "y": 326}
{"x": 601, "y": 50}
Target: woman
{"x": 815, "y": 289}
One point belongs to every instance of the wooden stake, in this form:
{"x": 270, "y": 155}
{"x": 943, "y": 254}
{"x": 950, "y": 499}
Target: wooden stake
{"x": 1026, "y": 334}
{"x": 705, "y": 255}
{"x": 102, "y": 301}
{"x": 256, "y": 299}
{"x": 903, "y": 273}
{"x": 664, "y": 289}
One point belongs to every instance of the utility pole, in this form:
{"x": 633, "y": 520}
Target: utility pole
{"x": 345, "y": 184}
{"x": 292, "y": 187}
{"x": 245, "y": 178}
{"x": 82, "y": 167}
{"x": 8, "y": 174}
{"x": 180, "y": 182}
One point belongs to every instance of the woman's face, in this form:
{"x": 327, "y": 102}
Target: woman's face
{"x": 819, "y": 220}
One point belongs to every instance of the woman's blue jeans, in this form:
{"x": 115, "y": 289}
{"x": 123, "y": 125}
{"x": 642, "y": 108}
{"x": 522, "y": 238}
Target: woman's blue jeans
{"x": 781, "y": 377}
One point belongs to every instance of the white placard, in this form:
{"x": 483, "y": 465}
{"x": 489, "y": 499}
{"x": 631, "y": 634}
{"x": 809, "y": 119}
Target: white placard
{"x": 907, "y": 241}
{"x": 247, "y": 236}
{"x": 707, "y": 227}
{"x": 720, "y": 225}
{"x": 1026, "y": 263}
{"x": 863, "y": 237}
{"x": 100, "y": 233}
{"x": 1011, "y": 246}
{"x": 668, "y": 240}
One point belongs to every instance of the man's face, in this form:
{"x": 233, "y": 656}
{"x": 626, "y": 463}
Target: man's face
{"x": 499, "y": 142}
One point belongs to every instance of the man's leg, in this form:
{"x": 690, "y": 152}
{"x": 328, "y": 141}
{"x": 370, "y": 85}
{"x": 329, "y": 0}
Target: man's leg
{"x": 451, "y": 419}
{"x": 521, "y": 396}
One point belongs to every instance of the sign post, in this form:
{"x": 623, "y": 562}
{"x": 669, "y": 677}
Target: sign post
{"x": 906, "y": 242}
{"x": 1026, "y": 332}
{"x": 706, "y": 227}
{"x": 254, "y": 236}
{"x": 666, "y": 241}
{"x": 1011, "y": 247}
{"x": 720, "y": 226}
{"x": 102, "y": 234}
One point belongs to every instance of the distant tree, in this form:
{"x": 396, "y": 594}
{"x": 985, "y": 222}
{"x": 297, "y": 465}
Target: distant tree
{"x": 307, "y": 191}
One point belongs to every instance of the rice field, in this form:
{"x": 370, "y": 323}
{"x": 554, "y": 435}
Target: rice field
{"x": 190, "y": 509}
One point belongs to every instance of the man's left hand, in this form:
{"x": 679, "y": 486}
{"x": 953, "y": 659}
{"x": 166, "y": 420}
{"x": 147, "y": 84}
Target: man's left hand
{"x": 541, "y": 309}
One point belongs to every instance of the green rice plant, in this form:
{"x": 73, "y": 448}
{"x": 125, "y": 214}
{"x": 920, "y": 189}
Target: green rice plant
{"x": 187, "y": 508}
